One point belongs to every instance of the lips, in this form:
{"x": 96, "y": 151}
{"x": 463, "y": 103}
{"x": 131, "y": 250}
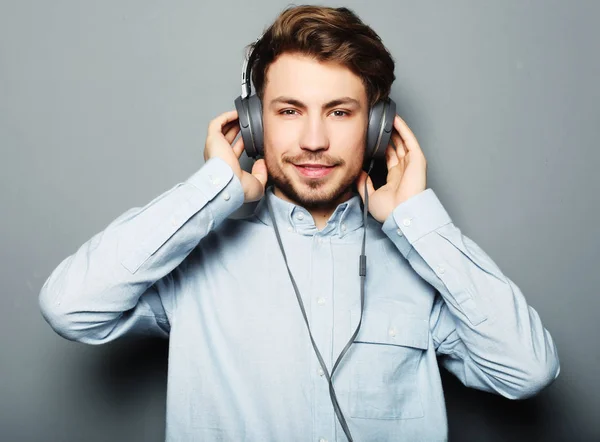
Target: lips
{"x": 314, "y": 170}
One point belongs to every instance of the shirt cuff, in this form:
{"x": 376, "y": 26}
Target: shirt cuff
{"x": 221, "y": 187}
{"x": 414, "y": 218}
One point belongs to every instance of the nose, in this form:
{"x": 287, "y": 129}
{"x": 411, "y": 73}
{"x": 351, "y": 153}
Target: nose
{"x": 314, "y": 135}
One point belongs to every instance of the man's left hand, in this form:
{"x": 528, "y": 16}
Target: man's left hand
{"x": 406, "y": 177}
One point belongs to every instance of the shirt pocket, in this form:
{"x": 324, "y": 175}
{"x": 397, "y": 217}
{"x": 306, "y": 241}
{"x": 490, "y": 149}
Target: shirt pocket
{"x": 384, "y": 362}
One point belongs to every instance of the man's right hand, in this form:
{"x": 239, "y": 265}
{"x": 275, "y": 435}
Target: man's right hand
{"x": 221, "y": 133}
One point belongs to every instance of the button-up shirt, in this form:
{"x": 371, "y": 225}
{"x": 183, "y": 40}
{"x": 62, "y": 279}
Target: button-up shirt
{"x": 241, "y": 366}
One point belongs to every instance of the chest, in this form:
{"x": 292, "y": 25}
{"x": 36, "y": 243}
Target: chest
{"x": 238, "y": 294}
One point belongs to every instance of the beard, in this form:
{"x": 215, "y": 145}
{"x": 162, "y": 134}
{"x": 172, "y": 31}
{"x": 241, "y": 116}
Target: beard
{"x": 317, "y": 193}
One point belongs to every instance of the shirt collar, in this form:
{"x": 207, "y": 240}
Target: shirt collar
{"x": 346, "y": 218}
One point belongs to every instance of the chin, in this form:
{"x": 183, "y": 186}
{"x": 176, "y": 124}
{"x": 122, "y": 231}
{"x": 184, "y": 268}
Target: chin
{"x": 314, "y": 193}
{"x": 308, "y": 192}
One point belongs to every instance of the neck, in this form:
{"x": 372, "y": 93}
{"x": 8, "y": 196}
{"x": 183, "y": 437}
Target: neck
{"x": 321, "y": 212}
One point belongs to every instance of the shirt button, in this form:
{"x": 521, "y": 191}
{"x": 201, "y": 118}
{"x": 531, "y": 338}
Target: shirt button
{"x": 392, "y": 332}
{"x": 300, "y": 216}
{"x": 290, "y": 228}
{"x": 441, "y": 270}
{"x": 343, "y": 227}
{"x": 173, "y": 222}
{"x": 320, "y": 372}
{"x": 399, "y": 232}
{"x": 320, "y": 300}
{"x": 406, "y": 222}
{"x": 322, "y": 440}
{"x": 226, "y": 196}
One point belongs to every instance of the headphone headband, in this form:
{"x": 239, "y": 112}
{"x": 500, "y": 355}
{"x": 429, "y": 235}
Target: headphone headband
{"x": 246, "y": 68}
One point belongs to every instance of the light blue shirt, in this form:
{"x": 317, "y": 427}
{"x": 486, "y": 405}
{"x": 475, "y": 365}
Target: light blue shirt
{"x": 241, "y": 366}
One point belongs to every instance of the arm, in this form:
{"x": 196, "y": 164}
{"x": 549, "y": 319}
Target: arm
{"x": 490, "y": 338}
{"x": 120, "y": 280}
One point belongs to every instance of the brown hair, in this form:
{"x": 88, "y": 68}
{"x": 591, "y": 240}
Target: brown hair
{"x": 327, "y": 34}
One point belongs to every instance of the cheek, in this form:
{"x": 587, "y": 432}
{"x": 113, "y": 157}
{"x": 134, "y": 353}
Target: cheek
{"x": 353, "y": 142}
{"x": 278, "y": 138}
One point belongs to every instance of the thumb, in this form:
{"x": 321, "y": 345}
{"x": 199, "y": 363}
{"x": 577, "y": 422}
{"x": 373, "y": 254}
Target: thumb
{"x": 254, "y": 184}
{"x": 259, "y": 170}
{"x": 360, "y": 185}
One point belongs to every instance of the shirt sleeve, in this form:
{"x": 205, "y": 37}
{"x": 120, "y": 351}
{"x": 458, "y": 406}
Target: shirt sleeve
{"x": 121, "y": 280}
{"x": 482, "y": 327}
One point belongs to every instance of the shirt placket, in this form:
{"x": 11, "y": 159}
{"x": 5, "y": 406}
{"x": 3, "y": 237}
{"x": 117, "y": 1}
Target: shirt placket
{"x": 321, "y": 323}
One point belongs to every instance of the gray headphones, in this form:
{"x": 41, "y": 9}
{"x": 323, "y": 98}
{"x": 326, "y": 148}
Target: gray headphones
{"x": 249, "y": 107}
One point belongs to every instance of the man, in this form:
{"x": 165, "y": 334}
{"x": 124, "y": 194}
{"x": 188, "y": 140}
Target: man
{"x": 241, "y": 364}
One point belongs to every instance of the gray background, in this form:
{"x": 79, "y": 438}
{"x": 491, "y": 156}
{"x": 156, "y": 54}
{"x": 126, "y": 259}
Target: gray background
{"x": 104, "y": 105}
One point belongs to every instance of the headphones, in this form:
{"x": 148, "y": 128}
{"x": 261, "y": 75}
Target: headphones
{"x": 249, "y": 108}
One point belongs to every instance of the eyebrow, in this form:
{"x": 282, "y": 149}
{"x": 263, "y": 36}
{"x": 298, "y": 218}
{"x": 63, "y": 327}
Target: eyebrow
{"x": 328, "y": 105}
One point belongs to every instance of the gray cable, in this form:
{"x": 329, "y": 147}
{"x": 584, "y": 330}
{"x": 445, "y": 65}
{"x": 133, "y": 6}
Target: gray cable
{"x": 362, "y": 273}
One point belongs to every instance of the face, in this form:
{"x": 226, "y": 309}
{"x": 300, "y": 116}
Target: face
{"x": 315, "y": 120}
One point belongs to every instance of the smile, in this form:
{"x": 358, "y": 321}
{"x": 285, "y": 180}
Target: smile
{"x": 313, "y": 170}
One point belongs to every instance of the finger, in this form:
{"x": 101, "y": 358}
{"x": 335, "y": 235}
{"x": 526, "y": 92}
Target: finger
{"x": 232, "y": 133}
{"x": 216, "y": 125}
{"x": 228, "y": 126}
{"x": 259, "y": 170}
{"x": 360, "y": 185}
{"x": 391, "y": 157}
{"x": 400, "y": 148}
{"x": 408, "y": 137}
{"x": 253, "y": 186}
{"x": 238, "y": 147}
{"x": 394, "y": 166}
{"x": 370, "y": 187}
{"x": 394, "y": 176}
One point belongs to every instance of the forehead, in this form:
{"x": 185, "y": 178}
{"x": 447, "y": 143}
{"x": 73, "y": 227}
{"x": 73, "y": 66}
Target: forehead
{"x": 311, "y": 80}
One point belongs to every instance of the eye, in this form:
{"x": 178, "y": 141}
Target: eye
{"x": 340, "y": 113}
{"x": 288, "y": 112}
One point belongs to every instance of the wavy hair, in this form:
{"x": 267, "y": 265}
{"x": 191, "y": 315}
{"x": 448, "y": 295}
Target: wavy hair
{"x": 329, "y": 35}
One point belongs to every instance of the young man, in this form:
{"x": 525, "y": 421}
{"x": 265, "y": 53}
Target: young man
{"x": 241, "y": 364}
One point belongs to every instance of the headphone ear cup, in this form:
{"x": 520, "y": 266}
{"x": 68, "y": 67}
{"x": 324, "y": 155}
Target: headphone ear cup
{"x": 256, "y": 123}
{"x": 241, "y": 105}
{"x": 379, "y": 132}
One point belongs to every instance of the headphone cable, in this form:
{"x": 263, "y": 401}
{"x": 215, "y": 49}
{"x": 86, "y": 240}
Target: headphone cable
{"x": 362, "y": 273}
